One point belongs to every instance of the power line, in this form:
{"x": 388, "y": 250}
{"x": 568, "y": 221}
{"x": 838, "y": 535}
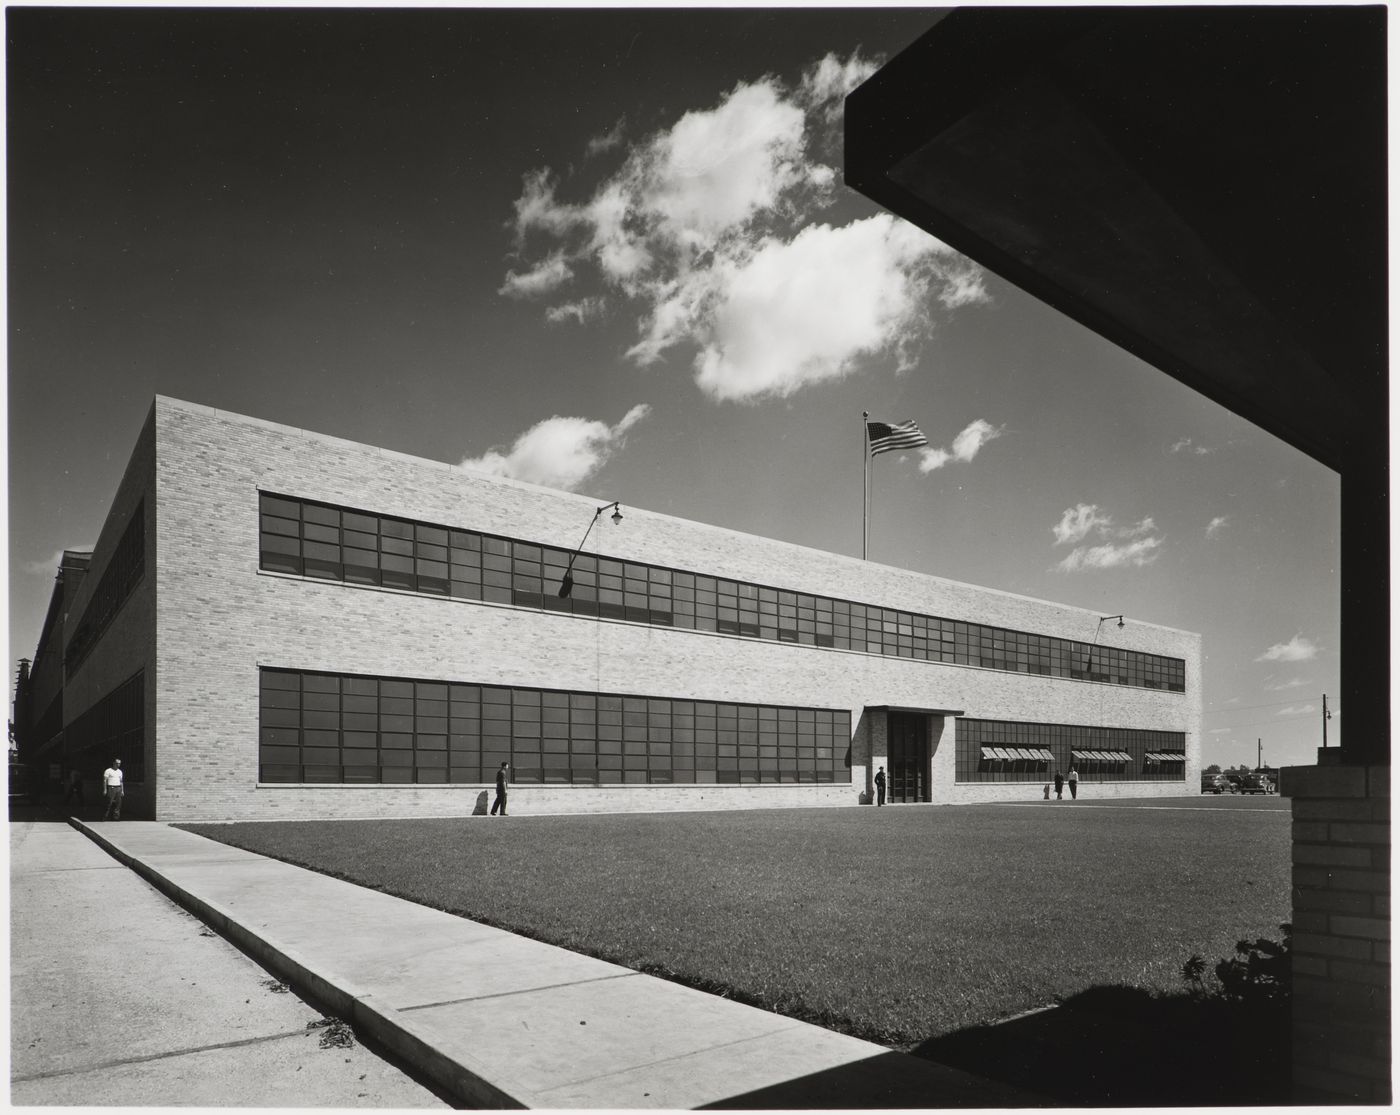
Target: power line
{"x": 1275, "y": 720}
{"x": 1271, "y": 704}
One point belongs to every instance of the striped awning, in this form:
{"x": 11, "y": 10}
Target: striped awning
{"x": 1021, "y": 754}
{"x": 1166, "y": 756}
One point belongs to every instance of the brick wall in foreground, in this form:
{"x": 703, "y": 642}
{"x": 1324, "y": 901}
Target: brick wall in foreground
{"x": 1341, "y": 933}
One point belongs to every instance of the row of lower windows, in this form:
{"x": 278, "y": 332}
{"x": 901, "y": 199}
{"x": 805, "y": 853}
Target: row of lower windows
{"x": 1017, "y": 751}
{"x": 320, "y": 540}
{"x": 113, "y": 728}
{"x": 321, "y": 727}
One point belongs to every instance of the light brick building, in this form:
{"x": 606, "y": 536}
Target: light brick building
{"x": 276, "y": 623}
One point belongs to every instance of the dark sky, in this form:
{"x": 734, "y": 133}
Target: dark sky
{"x": 306, "y": 216}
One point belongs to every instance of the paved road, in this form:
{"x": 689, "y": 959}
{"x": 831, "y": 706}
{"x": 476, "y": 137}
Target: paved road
{"x": 120, "y": 998}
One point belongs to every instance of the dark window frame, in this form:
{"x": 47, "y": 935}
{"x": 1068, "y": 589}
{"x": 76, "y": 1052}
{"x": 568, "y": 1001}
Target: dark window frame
{"x": 497, "y": 569}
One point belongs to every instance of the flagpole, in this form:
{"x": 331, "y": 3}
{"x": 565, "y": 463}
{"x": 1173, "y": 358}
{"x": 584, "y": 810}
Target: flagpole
{"x": 865, "y": 485}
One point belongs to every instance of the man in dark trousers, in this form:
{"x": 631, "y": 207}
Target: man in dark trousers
{"x": 880, "y": 786}
{"x": 500, "y": 802}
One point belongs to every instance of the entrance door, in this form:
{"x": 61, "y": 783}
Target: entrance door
{"x": 908, "y": 747}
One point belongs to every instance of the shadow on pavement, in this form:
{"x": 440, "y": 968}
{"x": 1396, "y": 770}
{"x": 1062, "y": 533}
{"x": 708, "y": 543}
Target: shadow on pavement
{"x": 53, "y": 808}
{"x": 880, "y": 1082}
{"x": 1124, "y": 1047}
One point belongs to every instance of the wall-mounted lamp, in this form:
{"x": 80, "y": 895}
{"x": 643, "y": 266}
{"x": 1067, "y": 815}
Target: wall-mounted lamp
{"x": 1089, "y": 659}
{"x": 566, "y": 586}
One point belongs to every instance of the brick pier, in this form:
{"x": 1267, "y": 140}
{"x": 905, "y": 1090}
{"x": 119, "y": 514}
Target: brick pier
{"x": 1341, "y": 932}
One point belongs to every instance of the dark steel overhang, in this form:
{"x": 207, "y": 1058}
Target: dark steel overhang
{"x": 1206, "y": 187}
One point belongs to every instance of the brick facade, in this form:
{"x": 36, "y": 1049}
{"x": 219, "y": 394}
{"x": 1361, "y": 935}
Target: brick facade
{"x": 129, "y": 643}
{"x": 209, "y": 618}
{"x": 1341, "y": 932}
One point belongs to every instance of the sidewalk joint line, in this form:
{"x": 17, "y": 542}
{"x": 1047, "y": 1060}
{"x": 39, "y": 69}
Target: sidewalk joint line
{"x": 519, "y": 991}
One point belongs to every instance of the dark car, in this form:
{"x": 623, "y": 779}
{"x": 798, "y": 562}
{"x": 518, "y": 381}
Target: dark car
{"x": 1216, "y": 784}
{"x": 1256, "y": 784}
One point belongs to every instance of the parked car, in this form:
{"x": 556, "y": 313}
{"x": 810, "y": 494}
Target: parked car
{"x": 1216, "y": 784}
{"x": 1256, "y": 784}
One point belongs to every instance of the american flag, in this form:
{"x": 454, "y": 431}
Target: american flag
{"x": 901, "y": 435}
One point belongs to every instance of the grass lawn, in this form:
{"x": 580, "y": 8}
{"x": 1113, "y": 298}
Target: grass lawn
{"x": 899, "y": 925}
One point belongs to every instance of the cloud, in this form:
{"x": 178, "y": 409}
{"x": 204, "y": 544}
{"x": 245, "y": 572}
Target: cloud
{"x": 1296, "y": 710}
{"x": 1297, "y": 649}
{"x": 965, "y": 446}
{"x": 552, "y": 273}
{"x": 606, "y": 142}
{"x": 582, "y": 311}
{"x": 1111, "y": 555}
{"x": 559, "y": 452}
{"x": 1219, "y": 731}
{"x": 1282, "y": 686}
{"x": 1076, "y": 523}
{"x": 826, "y": 84}
{"x": 1186, "y": 445}
{"x": 1133, "y": 545}
{"x": 1216, "y": 525}
{"x": 791, "y": 313}
{"x": 707, "y": 229}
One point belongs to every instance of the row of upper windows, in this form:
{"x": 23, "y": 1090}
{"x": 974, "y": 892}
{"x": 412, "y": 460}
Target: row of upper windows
{"x": 123, "y": 573}
{"x": 356, "y": 547}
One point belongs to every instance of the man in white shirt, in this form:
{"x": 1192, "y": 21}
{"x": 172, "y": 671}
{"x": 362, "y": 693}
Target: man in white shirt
{"x": 112, "y": 787}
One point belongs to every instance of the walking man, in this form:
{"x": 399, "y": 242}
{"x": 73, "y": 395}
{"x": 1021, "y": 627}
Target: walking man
{"x": 880, "y": 786}
{"x": 500, "y": 802}
{"x": 112, "y": 787}
{"x": 1073, "y": 783}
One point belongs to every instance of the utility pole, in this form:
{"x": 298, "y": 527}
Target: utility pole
{"x": 1326, "y": 716}
{"x": 1259, "y": 758}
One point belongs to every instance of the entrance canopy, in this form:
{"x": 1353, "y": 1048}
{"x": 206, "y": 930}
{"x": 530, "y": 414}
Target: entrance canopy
{"x": 913, "y": 708}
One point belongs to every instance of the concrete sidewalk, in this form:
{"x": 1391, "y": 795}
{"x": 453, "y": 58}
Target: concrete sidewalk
{"x": 120, "y": 998}
{"x": 496, "y": 1019}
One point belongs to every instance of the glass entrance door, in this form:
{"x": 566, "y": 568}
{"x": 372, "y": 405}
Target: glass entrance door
{"x": 908, "y": 747}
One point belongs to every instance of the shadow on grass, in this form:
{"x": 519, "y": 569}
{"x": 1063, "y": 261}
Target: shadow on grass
{"x": 1125, "y": 1047}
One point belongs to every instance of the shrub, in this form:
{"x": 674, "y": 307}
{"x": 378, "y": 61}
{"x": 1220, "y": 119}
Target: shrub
{"x": 1261, "y": 972}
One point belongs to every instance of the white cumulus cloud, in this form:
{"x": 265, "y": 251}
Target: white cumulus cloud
{"x": 965, "y": 446}
{"x": 582, "y": 311}
{"x": 1216, "y": 525}
{"x": 707, "y": 230}
{"x": 559, "y": 452}
{"x": 606, "y": 142}
{"x": 1296, "y": 710}
{"x": 789, "y": 313}
{"x": 552, "y": 273}
{"x": 1133, "y": 545}
{"x": 1111, "y": 555}
{"x": 1076, "y": 523}
{"x": 1297, "y": 649}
